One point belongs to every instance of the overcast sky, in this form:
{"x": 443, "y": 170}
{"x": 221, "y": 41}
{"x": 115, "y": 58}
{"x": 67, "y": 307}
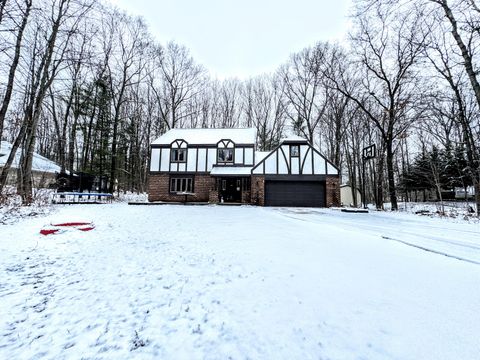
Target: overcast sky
{"x": 242, "y": 38}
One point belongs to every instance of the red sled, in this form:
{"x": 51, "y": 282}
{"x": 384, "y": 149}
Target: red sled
{"x": 62, "y": 227}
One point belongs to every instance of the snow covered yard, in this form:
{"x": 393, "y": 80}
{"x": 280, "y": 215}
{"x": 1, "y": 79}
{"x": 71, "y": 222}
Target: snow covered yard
{"x": 214, "y": 282}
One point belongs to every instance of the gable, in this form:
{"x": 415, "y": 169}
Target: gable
{"x": 304, "y": 160}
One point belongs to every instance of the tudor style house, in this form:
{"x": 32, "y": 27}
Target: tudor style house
{"x": 222, "y": 165}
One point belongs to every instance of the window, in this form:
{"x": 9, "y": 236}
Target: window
{"x": 178, "y": 155}
{"x": 181, "y": 185}
{"x": 294, "y": 150}
{"x": 246, "y": 184}
{"x": 225, "y": 155}
{"x": 224, "y": 185}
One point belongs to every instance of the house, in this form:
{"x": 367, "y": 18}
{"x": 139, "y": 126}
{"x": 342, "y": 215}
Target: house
{"x": 346, "y": 195}
{"x": 43, "y": 170}
{"x": 222, "y": 165}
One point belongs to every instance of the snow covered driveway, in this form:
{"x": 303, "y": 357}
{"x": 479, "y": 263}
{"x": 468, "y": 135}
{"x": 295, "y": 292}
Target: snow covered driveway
{"x": 213, "y": 282}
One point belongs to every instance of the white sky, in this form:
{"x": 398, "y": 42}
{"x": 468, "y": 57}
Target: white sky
{"x": 242, "y": 38}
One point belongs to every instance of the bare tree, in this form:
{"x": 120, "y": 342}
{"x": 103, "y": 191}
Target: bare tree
{"x": 388, "y": 46}
{"x": 14, "y": 62}
{"x": 265, "y": 109}
{"x": 307, "y": 98}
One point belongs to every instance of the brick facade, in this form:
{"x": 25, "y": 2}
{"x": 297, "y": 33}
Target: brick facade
{"x": 159, "y": 188}
{"x": 258, "y": 190}
{"x": 333, "y": 191}
{"x": 204, "y": 188}
{"x": 213, "y": 197}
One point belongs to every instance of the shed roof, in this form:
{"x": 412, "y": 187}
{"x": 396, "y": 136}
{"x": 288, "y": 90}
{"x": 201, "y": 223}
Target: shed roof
{"x": 40, "y": 163}
{"x": 294, "y": 139}
{"x": 208, "y": 136}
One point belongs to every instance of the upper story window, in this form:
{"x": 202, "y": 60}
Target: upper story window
{"x": 225, "y": 155}
{"x": 225, "y": 151}
{"x": 294, "y": 150}
{"x": 178, "y": 155}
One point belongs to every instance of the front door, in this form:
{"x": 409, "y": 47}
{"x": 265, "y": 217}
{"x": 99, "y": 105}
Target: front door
{"x": 231, "y": 189}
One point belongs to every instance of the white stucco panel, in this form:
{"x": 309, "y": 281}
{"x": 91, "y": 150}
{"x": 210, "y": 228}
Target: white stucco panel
{"x": 248, "y": 156}
{"x": 307, "y": 164}
{"x": 191, "y": 159}
{"x": 238, "y": 155}
{"x": 202, "y": 154}
{"x": 271, "y": 164}
{"x": 295, "y": 166}
{"x": 331, "y": 170}
{"x": 212, "y": 158}
{"x": 165, "y": 159}
{"x": 319, "y": 164}
{"x": 155, "y": 159}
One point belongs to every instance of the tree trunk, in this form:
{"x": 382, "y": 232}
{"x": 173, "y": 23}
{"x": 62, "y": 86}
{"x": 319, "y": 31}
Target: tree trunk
{"x": 8, "y": 164}
{"x": 13, "y": 67}
{"x": 379, "y": 181}
{"x": 391, "y": 176}
{"x": 467, "y": 57}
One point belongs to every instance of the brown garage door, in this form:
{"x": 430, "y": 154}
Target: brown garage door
{"x": 295, "y": 193}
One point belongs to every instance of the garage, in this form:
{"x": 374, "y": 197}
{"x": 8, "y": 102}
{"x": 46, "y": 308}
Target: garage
{"x": 295, "y": 193}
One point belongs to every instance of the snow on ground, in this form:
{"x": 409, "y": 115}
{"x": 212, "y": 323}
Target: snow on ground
{"x": 216, "y": 282}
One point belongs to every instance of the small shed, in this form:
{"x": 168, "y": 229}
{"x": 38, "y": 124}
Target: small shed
{"x": 43, "y": 170}
{"x": 346, "y": 195}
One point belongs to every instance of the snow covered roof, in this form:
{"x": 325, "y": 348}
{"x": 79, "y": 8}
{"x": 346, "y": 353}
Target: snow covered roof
{"x": 39, "y": 163}
{"x": 231, "y": 170}
{"x": 294, "y": 138}
{"x": 260, "y": 155}
{"x": 208, "y": 136}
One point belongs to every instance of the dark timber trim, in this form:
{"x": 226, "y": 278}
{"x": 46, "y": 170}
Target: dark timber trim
{"x": 314, "y": 151}
{"x": 196, "y": 160}
{"x": 296, "y": 177}
{"x": 160, "y": 160}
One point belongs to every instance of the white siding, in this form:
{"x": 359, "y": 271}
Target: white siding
{"x": 155, "y": 160}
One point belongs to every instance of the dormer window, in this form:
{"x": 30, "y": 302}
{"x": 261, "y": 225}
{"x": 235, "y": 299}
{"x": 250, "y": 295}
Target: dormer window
{"x": 225, "y": 155}
{"x": 178, "y": 155}
{"x": 225, "y": 151}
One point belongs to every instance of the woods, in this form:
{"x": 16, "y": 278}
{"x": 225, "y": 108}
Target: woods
{"x": 87, "y": 85}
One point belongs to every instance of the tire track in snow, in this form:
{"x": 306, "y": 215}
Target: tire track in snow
{"x": 383, "y": 232}
{"x": 431, "y": 250}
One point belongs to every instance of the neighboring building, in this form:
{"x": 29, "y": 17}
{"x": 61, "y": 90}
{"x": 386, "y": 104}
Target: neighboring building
{"x": 346, "y": 196}
{"x": 221, "y": 165}
{"x": 462, "y": 194}
{"x": 43, "y": 169}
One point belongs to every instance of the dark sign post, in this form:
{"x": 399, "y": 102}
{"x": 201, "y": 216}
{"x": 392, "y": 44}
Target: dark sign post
{"x": 368, "y": 153}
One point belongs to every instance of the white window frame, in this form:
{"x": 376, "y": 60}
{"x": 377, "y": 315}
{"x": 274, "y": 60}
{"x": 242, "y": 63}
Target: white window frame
{"x": 232, "y": 151}
{"x": 176, "y": 159}
{"x": 181, "y": 184}
{"x": 294, "y": 147}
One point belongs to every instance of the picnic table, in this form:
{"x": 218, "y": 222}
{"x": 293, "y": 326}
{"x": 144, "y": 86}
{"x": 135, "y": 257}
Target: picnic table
{"x": 186, "y": 194}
